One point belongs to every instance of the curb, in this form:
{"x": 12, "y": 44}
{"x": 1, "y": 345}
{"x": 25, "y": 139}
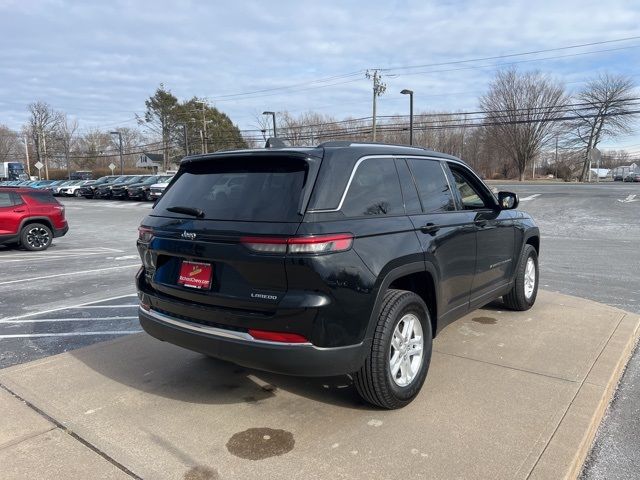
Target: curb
{"x": 589, "y": 406}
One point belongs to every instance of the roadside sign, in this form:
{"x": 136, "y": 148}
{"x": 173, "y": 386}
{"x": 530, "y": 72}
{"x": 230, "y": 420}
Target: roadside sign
{"x": 112, "y": 167}
{"x": 39, "y": 166}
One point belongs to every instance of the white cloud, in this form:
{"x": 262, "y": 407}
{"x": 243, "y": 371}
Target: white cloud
{"x": 99, "y": 60}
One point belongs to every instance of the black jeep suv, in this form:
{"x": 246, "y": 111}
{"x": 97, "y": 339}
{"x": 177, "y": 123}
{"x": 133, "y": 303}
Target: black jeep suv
{"x": 341, "y": 259}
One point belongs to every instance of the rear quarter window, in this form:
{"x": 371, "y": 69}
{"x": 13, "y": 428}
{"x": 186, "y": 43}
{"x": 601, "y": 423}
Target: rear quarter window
{"x": 42, "y": 197}
{"x": 374, "y": 190}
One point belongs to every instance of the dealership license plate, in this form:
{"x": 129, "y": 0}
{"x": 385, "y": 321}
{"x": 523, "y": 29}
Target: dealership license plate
{"x": 195, "y": 275}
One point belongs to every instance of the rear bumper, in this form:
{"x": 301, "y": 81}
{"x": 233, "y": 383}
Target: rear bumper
{"x": 242, "y": 349}
{"x": 60, "y": 232}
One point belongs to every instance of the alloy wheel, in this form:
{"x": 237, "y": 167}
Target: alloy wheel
{"x": 405, "y": 355}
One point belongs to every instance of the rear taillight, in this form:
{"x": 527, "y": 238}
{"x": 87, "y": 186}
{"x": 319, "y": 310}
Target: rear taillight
{"x": 265, "y": 244}
{"x": 300, "y": 245}
{"x": 145, "y": 234}
{"x": 279, "y": 337}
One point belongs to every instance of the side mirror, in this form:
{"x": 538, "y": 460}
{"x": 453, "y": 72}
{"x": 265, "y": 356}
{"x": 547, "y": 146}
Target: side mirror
{"x": 508, "y": 200}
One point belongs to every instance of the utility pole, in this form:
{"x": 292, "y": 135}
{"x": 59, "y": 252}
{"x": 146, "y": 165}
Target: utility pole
{"x": 46, "y": 162}
{"x": 556, "y": 160}
{"x": 120, "y": 144}
{"x": 533, "y": 169}
{"x": 26, "y": 151}
{"x": 378, "y": 89}
{"x": 204, "y": 128}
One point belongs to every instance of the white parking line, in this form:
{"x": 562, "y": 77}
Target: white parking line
{"x": 72, "y": 319}
{"x": 85, "y": 307}
{"x": 70, "y": 334}
{"x": 69, "y": 307}
{"x": 82, "y": 272}
{"x": 530, "y": 197}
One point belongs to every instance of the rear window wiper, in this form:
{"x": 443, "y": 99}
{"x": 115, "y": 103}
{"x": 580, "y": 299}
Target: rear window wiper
{"x": 194, "y": 212}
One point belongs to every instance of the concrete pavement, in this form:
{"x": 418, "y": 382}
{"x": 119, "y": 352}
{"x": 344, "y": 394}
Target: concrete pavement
{"x": 508, "y": 395}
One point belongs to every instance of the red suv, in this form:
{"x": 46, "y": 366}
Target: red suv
{"x": 30, "y": 217}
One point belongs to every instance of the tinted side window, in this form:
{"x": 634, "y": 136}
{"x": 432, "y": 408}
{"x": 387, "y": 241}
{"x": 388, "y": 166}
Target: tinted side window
{"x": 6, "y": 200}
{"x": 470, "y": 197}
{"x": 42, "y": 197}
{"x": 374, "y": 190}
{"x": 435, "y": 194}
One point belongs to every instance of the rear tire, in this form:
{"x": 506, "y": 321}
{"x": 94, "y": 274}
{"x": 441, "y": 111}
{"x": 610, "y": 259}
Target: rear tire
{"x": 403, "y": 333}
{"x": 36, "y": 237}
{"x": 525, "y": 289}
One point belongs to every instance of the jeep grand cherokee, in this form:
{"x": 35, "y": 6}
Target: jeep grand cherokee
{"x": 340, "y": 259}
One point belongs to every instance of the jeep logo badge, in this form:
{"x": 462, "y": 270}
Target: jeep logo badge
{"x": 188, "y": 235}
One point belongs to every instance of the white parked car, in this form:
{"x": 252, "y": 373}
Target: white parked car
{"x": 72, "y": 190}
{"x": 156, "y": 190}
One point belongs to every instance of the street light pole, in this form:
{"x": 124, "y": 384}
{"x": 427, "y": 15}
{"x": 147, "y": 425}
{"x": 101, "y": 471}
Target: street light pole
{"x": 120, "y": 145}
{"x": 273, "y": 116}
{"x": 410, "y": 93}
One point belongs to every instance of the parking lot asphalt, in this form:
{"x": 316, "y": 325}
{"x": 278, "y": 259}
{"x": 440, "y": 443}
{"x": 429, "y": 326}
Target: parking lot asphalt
{"x": 44, "y": 295}
{"x": 590, "y": 239}
{"x": 590, "y": 235}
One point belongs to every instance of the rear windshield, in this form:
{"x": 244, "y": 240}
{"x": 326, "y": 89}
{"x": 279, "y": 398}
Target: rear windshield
{"x": 256, "y": 189}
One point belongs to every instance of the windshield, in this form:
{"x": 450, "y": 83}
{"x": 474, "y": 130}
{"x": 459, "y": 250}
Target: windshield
{"x": 239, "y": 189}
{"x": 134, "y": 179}
{"x": 150, "y": 180}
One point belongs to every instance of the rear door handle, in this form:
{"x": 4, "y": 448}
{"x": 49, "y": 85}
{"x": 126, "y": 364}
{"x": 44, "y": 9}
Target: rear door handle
{"x": 20, "y": 210}
{"x": 481, "y": 223}
{"x": 430, "y": 228}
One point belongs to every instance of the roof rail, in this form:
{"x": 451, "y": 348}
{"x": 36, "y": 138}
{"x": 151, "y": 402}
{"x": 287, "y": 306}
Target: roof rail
{"x": 336, "y": 143}
{"x": 349, "y": 143}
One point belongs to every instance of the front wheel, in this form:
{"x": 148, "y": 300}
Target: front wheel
{"x": 525, "y": 288}
{"x": 397, "y": 364}
{"x": 36, "y": 236}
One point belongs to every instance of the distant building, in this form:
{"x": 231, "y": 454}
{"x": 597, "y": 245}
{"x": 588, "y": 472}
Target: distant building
{"x": 625, "y": 170}
{"x": 600, "y": 172}
{"x": 152, "y": 161}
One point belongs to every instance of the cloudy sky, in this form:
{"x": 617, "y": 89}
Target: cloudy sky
{"x": 99, "y": 61}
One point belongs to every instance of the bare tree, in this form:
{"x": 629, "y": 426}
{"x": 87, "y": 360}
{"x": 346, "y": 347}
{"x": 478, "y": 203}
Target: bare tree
{"x": 605, "y": 109}
{"x": 66, "y": 137}
{"x": 520, "y": 109}
{"x": 42, "y": 124}
{"x": 10, "y": 145}
{"x": 93, "y": 144}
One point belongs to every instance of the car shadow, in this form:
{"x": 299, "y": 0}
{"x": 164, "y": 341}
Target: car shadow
{"x": 148, "y": 365}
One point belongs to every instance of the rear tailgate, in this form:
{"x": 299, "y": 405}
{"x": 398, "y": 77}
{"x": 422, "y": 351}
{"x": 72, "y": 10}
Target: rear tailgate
{"x": 226, "y": 250}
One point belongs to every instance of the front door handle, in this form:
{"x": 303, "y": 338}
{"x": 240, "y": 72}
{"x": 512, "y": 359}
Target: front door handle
{"x": 430, "y": 228}
{"x": 481, "y": 223}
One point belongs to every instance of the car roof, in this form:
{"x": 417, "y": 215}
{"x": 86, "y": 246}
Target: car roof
{"x": 17, "y": 189}
{"x": 349, "y": 147}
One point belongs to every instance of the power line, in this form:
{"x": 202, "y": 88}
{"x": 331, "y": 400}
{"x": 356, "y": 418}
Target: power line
{"x": 510, "y": 55}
